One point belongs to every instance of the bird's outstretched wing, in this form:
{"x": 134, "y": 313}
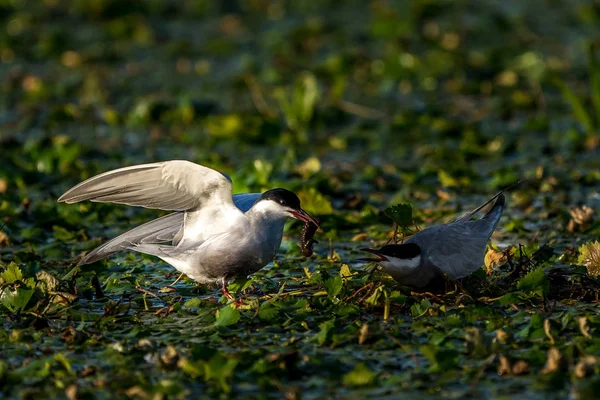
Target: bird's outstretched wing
{"x": 171, "y": 185}
{"x": 160, "y": 230}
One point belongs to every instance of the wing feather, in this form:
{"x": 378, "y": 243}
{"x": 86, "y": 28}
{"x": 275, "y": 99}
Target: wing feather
{"x": 160, "y": 230}
{"x": 171, "y": 185}
{"x": 455, "y": 249}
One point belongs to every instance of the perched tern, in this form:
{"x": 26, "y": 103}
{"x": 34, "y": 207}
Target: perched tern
{"x": 213, "y": 236}
{"x": 455, "y": 249}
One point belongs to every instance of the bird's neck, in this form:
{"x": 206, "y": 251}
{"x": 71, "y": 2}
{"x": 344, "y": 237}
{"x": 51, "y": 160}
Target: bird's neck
{"x": 268, "y": 227}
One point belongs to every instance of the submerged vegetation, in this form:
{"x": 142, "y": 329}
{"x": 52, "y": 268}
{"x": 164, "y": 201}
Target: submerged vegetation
{"x": 356, "y": 106}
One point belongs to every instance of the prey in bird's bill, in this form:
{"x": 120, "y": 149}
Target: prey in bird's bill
{"x": 455, "y": 249}
{"x": 306, "y": 238}
{"x": 213, "y": 236}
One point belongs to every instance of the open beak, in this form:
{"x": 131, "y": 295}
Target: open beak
{"x": 303, "y": 216}
{"x": 380, "y": 257}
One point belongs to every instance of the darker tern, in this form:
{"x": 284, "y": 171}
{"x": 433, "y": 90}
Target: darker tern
{"x": 213, "y": 236}
{"x": 455, "y": 249}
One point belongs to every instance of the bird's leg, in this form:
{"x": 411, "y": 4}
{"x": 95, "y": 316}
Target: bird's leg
{"x": 224, "y": 289}
{"x": 177, "y": 280}
{"x": 227, "y": 294}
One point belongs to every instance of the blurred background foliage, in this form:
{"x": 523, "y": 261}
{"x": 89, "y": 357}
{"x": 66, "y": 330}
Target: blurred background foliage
{"x": 355, "y": 105}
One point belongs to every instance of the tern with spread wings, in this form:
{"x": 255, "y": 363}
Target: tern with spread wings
{"x": 212, "y": 236}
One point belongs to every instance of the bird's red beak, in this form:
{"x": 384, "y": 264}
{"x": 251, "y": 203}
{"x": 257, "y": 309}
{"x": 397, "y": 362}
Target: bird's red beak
{"x": 303, "y": 216}
{"x": 380, "y": 257}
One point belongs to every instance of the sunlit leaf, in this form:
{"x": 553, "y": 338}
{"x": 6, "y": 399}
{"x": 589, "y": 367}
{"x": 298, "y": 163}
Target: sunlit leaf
{"x": 361, "y": 375}
{"x": 11, "y": 274}
{"x": 589, "y": 255}
{"x": 16, "y": 299}
{"x": 227, "y": 316}
{"x": 314, "y": 202}
{"x": 193, "y": 303}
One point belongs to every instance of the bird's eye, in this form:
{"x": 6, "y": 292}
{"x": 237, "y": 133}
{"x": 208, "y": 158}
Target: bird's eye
{"x": 281, "y": 202}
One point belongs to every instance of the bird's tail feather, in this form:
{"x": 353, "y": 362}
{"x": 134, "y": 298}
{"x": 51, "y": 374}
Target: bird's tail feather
{"x": 494, "y": 214}
{"x": 467, "y": 216}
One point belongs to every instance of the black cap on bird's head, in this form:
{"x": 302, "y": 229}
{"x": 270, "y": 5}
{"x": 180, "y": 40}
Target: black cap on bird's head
{"x": 405, "y": 251}
{"x": 290, "y": 201}
{"x": 282, "y": 197}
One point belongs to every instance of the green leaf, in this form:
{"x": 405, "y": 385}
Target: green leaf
{"x": 344, "y": 310}
{"x": 267, "y": 311}
{"x": 309, "y": 167}
{"x": 535, "y": 282}
{"x": 533, "y": 330}
{"x": 373, "y": 299}
{"x": 511, "y": 298}
{"x": 220, "y": 369}
{"x": 16, "y": 300}
{"x": 193, "y": 303}
{"x": 224, "y": 126}
{"x": 63, "y": 234}
{"x": 314, "y": 202}
{"x": 442, "y": 359}
{"x": 447, "y": 180}
{"x": 227, "y": 316}
{"x": 191, "y": 368}
{"x": 60, "y": 358}
{"x": 324, "y": 334}
{"x": 418, "y": 309}
{"x": 401, "y": 214}
{"x": 239, "y": 284}
{"x": 361, "y": 375}
{"x": 11, "y": 274}
{"x": 333, "y": 286}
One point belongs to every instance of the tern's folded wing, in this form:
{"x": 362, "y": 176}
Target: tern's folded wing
{"x": 245, "y": 201}
{"x": 456, "y": 249}
{"x": 170, "y": 185}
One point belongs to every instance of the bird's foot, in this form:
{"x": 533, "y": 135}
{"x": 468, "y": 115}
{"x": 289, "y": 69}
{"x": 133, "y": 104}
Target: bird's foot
{"x": 236, "y": 302}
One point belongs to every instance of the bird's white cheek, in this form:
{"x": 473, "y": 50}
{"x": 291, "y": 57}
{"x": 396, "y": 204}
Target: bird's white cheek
{"x": 413, "y": 262}
{"x": 403, "y": 263}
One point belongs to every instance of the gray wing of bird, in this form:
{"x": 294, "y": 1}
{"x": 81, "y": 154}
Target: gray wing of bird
{"x": 161, "y": 230}
{"x": 171, "y": 185}
{"x": 457, "y": 249}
